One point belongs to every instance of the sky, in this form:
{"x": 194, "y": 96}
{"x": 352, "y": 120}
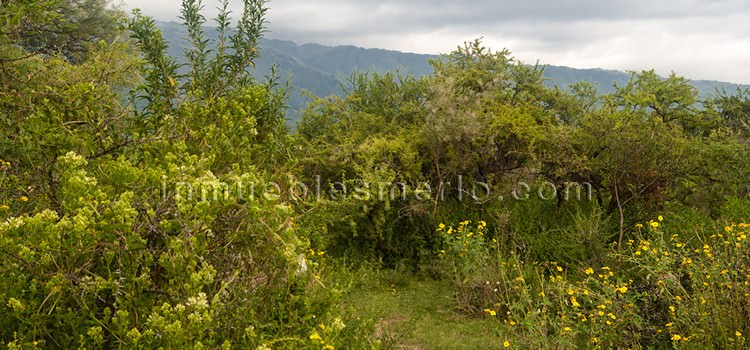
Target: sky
{"x": 698, "y": 39}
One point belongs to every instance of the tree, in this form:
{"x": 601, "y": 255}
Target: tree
{"x": 239, "y": 119}
{"x": 127, "y": 257}
{"x": 734, "y": 110}
{"x": 50, "y": 106}
{"x": 60, "y": 27}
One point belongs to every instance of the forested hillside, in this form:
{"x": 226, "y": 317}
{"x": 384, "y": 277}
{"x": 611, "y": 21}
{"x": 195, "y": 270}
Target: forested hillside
{"x": 323, "y": 70}
{"x": 154, "y": 197}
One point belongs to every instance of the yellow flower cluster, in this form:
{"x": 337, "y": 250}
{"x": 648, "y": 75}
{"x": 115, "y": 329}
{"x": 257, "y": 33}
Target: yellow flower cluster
{"x": 462, "y": 240}
{"x": 603, "y": 301}
{"x": 315, "y": 336}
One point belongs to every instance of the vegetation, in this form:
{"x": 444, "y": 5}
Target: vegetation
{"x": 148, "y": 203}
{"x": 319, "y": 69}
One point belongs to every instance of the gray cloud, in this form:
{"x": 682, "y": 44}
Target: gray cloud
{"x": 701, "y": 39}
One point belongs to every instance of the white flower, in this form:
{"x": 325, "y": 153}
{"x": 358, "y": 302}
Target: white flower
{"x": 200, "y": 302}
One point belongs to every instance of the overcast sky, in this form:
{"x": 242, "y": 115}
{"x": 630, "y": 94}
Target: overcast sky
{"x": 699, "y": 39}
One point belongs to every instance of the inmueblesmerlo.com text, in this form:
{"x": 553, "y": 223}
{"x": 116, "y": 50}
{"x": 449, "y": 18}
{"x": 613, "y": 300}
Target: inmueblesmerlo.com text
{"x": 459, "y": 189}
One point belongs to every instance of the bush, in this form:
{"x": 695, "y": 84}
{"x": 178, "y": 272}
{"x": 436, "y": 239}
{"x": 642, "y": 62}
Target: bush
{"x": 661, "y": 290}
{"x": 463, "y": 249}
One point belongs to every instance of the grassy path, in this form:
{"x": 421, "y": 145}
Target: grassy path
{"x": 421, "y": 314}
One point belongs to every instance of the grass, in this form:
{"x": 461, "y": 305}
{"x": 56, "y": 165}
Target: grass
{"x": 419, "y": 313}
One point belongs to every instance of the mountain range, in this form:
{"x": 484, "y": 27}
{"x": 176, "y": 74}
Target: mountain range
{"x": 320, "y": 69}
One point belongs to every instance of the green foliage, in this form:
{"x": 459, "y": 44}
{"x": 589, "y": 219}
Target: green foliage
{"x": 103, "y": 245}
{"x": 148, "y": 204}
{"x": 464, "y": 248}
{"x": 647, "y": 147}
{"x": 734, "y": 110}
{"x": 543, "y": 231}
{"x": 50, "y": 107}
{"x": 662, "y": 290}
{"x": 66, "y": 28}
{"x": 217, "y": 105}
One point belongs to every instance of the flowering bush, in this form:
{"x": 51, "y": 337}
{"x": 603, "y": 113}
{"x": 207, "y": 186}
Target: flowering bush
{"x": 659, "y": 290}
{"x": 463, "y": 248}
{"x": 693, "y": 289}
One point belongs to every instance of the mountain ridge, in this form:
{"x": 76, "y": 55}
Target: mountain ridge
{"x": 320, "y": 69}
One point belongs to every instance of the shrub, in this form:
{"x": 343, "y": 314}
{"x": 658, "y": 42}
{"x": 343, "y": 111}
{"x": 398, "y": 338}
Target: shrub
{"x": 660, "y": 290}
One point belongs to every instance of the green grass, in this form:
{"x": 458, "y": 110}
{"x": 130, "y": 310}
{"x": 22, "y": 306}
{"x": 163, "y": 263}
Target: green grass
{"x": 417, "y": 313}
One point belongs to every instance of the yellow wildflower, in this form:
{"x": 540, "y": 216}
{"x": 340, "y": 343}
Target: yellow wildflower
{"x": 676, "y": 337}
{"x": 24, "y": 199}
{"x": 738, "y": 334}
{"x": 574, "y": 302}
{"x": 661, "y": 218}
{"x": 506, "y": 344}
{"x": 328, "y": 347}
{"x": 315, "y": 336}
{"x": 589, "y": 271}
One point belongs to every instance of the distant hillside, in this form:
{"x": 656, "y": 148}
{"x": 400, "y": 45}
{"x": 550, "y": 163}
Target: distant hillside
{"x": 320, "y": 69}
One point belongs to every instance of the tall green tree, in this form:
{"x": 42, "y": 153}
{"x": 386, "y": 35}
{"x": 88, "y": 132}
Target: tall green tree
{"x": 60, "y": 27}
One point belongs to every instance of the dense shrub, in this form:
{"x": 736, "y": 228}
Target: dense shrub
{"x": 663, "y": 289}
{"x": 150, "y": 201}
